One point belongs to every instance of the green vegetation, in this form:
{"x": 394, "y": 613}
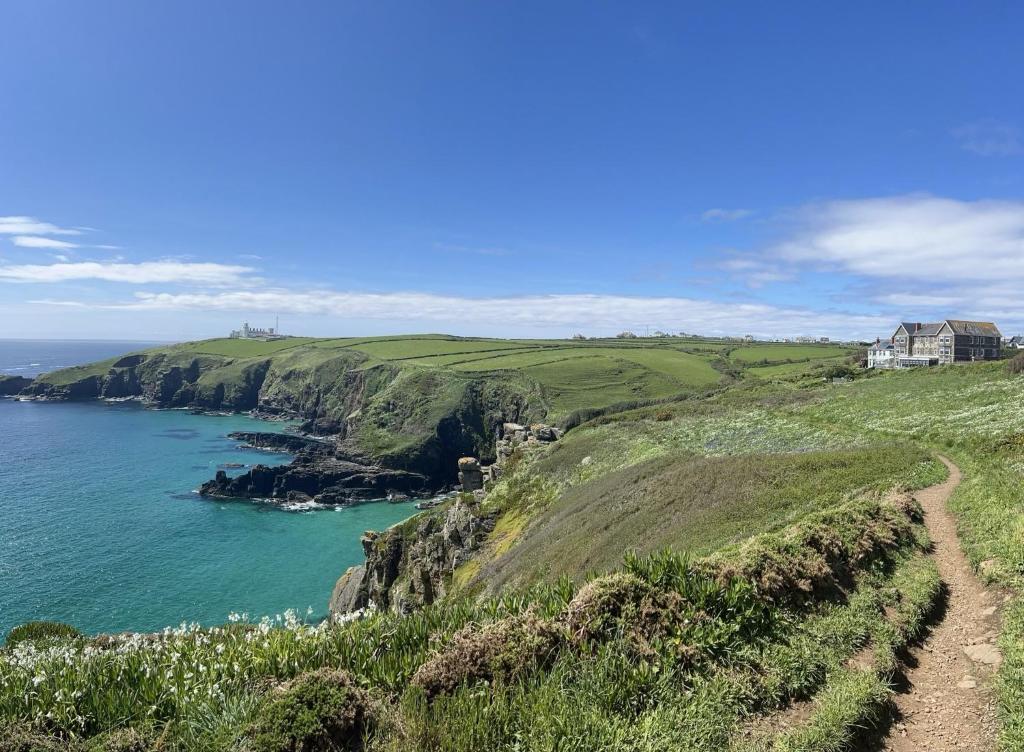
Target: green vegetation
{"x": 40, "y": 631}
{"x": 670, "y": 653}
{"x": 586, "y": 621}
{"x": 786, "y": 353}
{"x": 692, "y": 503}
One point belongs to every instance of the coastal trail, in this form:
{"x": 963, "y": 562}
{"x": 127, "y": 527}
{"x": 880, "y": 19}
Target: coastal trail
{"x": 947, "y": 701}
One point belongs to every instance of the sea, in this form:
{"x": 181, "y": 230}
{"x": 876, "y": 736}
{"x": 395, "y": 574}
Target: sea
{"x": 101, "y": 527}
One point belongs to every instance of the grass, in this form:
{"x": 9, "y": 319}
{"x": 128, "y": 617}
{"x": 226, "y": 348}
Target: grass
{"x": 692, "y": 473}
{"x": 242, "y": 348}
{"x": 785, "y": 352}
{"x": 670, "y": 653}
{"x": 790, "y": 369}
{"x": 691, "y": 503}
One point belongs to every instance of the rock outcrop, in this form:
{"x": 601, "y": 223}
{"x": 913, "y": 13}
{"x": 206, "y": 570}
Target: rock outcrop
{"x": 11, "y": 385}
{"x": 281, "y": 442}
{"x": 471, "y": 477}
{"x": 410, "y": 565}
{"x": 390, "y": 429}
{"x": 323, "y": 479}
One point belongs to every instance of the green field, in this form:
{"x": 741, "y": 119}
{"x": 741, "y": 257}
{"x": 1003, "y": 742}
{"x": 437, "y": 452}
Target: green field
{"x": 784, "y": 352}
{"x": 791, "y": 369}
{"x": 568, "y": 375}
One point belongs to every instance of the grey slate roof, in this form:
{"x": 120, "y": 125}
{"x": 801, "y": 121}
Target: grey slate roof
{"x": 929, "y": 330}
{"x": 975, "y": 328}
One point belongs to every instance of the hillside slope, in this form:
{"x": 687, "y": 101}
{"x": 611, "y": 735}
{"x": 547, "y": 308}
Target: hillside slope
{"x": 414, "y": 403}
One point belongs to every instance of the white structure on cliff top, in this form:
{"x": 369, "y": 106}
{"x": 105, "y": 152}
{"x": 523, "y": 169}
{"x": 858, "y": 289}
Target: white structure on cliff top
{"x": 248, "y": 332}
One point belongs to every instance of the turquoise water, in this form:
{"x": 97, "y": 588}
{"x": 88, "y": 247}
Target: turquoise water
{"x": 100, "y": 528}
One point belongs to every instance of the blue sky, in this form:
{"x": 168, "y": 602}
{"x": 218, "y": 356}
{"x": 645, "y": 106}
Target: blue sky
{"x": 497, "y": 168}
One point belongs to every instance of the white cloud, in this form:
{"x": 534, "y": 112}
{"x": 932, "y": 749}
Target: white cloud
{"x": 911, "y": 239}
{"x": 756, "y": 272}
{"x": 725, "y": 215}
{"x": 33, "y": 241}
{"x": 590, "y": 313}
{"x": 919, "y": 300}
{"x": 147, "y": 272}
{"x": 33, "y": 226}
{"x": 990, "y": 138}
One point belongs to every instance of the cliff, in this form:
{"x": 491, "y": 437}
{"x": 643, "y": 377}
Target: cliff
{"x": 409, "y": 566}
{"x": 11, "y": 385}
{"x": 389, "y": 426}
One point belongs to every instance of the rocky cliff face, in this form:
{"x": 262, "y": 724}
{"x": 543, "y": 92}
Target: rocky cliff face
{"x": 394, "y": 428}
{"x": 11, "y": 385}
{"x": 410, "y": 566}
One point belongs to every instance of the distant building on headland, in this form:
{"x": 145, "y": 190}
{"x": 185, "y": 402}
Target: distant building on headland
{"x": 950, "y": 341}
{"x": 248, "y": 332}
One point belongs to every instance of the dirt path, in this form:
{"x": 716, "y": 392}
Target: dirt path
{"x": 947, "y": 702}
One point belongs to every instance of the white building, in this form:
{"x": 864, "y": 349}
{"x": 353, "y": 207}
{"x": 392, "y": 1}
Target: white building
{"x": 249, "y": 332}
{"x": 882, "y": 354}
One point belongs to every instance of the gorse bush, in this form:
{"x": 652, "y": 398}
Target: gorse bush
{"x": 40, "y": 630}
{"x": 322, "y": 711}
{"x": 122, "y": 740}
{"x": 1015, "y": 365}
{"x": 504, "y": 650}
{"x": 19, "y": 737}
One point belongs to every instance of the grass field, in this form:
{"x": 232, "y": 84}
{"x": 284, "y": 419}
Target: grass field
{"x": 779, "y": 353}
{"x": 570, "y": 375}
{"x": 783, "y": 370}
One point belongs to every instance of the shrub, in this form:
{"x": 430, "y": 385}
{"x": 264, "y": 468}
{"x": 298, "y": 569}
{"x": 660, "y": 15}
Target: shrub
{"x": 122, "y": 740}
{"x": 505, "y": 649}
{"x": 1015, "y": 365}
{"x": 663, "y": 415}
{"x": 21, "y": 738}
{"x": 40, "y": 630}
{"x": 321, "y": 711}
{"x": 602, "y": 604}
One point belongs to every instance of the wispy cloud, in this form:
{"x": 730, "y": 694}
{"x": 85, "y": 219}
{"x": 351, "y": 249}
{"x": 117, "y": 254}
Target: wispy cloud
{"x": 147, "y": 272}
{"x": 756, "y": 272}
{"x": 725, "y": 215}
{"x": 559, "y": 312}
{"x": 33, "y": 226}
{"x": 990, "y": 138}
{"x": 34, "y": 241}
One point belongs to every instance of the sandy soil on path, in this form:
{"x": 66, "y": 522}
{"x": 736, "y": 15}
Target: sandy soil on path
{"x": 947, "y": 702}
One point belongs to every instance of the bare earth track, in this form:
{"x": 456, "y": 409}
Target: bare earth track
{"x": 947, "y": 703}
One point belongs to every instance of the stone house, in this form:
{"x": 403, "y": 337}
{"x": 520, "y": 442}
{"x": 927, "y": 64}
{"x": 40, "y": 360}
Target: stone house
{"x": 949, "y": 341}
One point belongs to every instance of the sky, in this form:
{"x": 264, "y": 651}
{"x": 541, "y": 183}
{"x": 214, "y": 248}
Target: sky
{"x": 171, "y": 169}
